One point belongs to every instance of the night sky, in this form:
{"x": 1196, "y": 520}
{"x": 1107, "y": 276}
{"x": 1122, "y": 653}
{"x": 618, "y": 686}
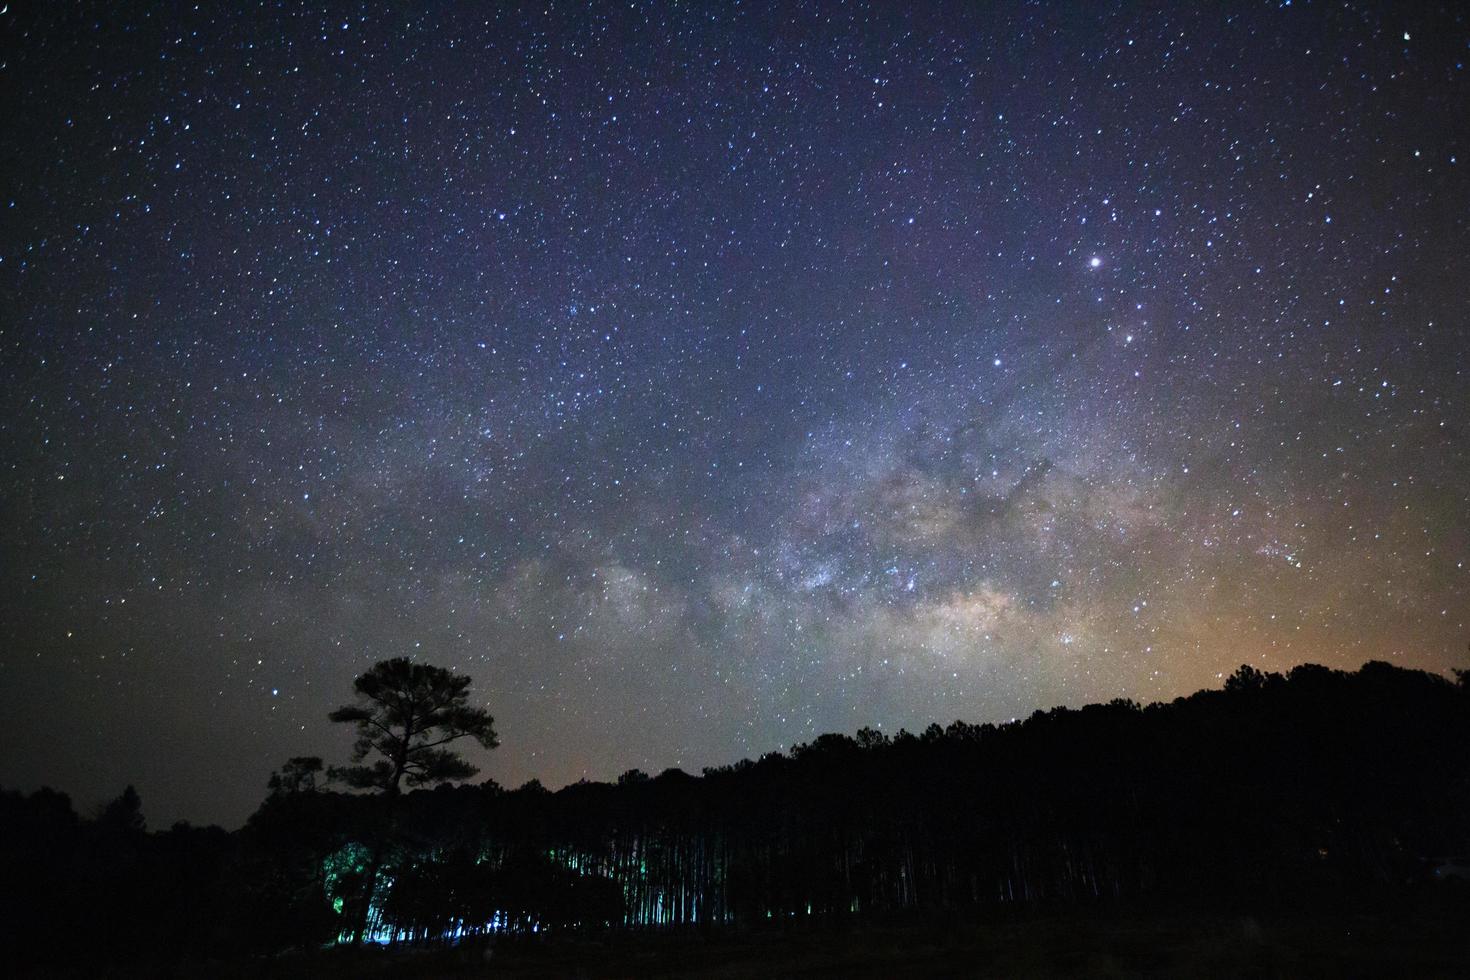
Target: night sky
{"x": 700, "y": 378}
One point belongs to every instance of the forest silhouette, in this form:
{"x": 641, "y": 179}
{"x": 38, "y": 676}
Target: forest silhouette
{"x": 1317, "y": 788}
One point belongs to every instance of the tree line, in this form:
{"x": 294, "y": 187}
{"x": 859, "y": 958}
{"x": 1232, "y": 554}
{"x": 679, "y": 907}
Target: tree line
{"x": 1315, "y": 786}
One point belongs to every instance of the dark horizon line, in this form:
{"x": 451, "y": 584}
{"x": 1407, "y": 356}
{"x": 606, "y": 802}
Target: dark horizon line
{"x": 787, "y": 753}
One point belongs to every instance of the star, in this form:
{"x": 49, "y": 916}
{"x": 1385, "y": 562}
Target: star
{"x": 671, "y": 427}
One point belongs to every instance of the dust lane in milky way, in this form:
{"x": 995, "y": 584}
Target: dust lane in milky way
{"x": 700, "y": 380}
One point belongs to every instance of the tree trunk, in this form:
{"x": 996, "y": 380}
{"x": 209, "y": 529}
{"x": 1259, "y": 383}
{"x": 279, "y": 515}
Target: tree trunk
{"x": 375, "y": 863}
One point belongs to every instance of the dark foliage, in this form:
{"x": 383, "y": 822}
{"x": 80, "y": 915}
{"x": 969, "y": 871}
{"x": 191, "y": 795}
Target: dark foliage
{"x": 405, "y": 713}
{"x": 1315, "y": 789}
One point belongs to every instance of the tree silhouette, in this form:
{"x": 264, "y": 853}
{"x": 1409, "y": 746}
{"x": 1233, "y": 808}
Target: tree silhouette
{"x": 1316, "y": 792}
{"x": 298, "y": 775}
{"x": 406, "y": 713}
{"x": 123, "y": 814}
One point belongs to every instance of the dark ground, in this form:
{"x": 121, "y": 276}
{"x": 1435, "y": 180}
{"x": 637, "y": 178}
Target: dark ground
{"x": 1414, "y": 939}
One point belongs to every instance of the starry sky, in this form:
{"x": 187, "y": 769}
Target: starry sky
{"x": 703, "y": 377}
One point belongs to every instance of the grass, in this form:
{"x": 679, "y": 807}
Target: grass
{"x": 1419, "y": 933}
{"x": 1408, "y": 941}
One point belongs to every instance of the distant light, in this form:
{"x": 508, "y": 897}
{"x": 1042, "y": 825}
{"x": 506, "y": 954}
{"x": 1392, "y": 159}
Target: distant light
{"x": 997, "y": 362}
{"x": 1095, "y": 262}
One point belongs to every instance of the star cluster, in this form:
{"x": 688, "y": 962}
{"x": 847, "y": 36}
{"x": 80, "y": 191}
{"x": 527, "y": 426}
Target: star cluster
{"x": 703, "y": 377}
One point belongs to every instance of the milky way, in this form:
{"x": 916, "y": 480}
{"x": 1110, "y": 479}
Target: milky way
{"x": 702, "y": 378}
